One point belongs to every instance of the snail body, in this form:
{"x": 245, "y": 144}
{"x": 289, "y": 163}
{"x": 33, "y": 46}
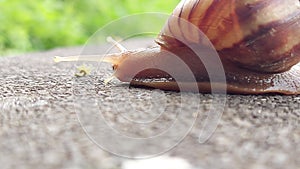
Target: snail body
{"x": 258, "y": 43}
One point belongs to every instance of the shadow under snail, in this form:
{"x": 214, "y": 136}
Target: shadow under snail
{"x": 258, "y": 42}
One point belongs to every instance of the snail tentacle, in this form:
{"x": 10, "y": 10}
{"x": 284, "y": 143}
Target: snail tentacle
{"x": 109, "y": 58}
{"x": 121, "y": 48}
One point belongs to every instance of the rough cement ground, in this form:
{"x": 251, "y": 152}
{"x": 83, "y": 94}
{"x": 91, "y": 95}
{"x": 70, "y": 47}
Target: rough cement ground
{"x": 39, "y": 127}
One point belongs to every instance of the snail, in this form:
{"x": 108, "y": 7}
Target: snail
{"x": 258, "y": 43}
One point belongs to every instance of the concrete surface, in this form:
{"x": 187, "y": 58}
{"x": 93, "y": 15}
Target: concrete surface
{"x": 39, "y": 127}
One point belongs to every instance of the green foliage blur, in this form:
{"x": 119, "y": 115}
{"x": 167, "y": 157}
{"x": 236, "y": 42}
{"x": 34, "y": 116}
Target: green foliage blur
{"x": 44, "y": 24}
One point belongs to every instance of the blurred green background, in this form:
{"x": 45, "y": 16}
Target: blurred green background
{"x": 33, "y": 25}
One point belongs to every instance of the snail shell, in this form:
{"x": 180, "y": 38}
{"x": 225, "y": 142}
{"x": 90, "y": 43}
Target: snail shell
{"x": 258, "y": 43}
{"x": 255, "y": 34}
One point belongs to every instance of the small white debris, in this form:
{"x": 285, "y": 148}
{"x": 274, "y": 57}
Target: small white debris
{"x": 162, "y": 162}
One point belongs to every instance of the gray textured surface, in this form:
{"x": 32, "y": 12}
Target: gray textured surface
{"x": 39, "y": 127}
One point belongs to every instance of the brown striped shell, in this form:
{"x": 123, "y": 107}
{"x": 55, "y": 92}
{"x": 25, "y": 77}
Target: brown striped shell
{"x": 262, "y": 35}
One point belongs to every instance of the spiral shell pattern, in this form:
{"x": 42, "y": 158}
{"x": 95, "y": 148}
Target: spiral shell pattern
{"x": 262, "y": 35}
